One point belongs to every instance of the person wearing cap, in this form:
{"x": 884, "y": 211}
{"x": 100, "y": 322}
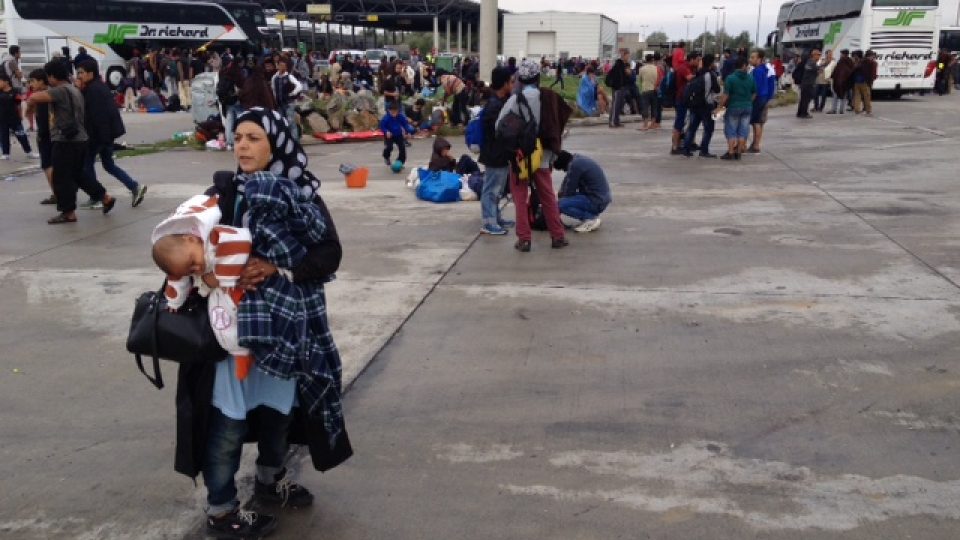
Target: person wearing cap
{"x": 528, "y": 75}
{"x": 842, "y": 81}
{"x": 863, "y": 77}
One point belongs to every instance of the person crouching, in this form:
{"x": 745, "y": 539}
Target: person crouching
{"x": 584, "y": 193}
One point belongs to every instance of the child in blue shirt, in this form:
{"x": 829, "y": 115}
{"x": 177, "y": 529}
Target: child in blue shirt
{"x": 396, "y": 129}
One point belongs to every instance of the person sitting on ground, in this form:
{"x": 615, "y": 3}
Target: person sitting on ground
{"x": 584, "y": 193}
{"x": 396, "y": 129}
{"x": 587, "y": 94}
{"x": 415, "y": 115}
{"x": 441, "y": 160}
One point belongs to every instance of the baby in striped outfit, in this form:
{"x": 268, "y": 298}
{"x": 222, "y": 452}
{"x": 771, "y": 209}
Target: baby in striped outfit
{"x": 191, "y": 243}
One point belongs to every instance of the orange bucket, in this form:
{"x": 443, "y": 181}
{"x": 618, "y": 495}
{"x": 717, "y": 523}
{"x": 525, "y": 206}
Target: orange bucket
{"x": 358, "y": 178}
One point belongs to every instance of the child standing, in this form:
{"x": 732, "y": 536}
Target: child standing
{"x": 396, "y": 129}
{"x": 10, "y": 120}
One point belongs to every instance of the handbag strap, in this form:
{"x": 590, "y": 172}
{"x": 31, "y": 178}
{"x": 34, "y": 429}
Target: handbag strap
{"x": 157, "y": 378}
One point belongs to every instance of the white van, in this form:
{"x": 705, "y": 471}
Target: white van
{"x": 377, "y": 56}
{"x": 339, "y": 54}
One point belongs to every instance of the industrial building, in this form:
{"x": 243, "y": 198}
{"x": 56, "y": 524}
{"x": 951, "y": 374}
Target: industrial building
{"x": 556, "y": 34}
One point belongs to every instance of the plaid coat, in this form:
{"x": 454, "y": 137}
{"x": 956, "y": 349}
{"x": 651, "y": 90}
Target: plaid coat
{"x": 282, "y": 322}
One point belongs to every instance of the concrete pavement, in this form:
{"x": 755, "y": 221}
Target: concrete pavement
{"x": 762, "y": 349}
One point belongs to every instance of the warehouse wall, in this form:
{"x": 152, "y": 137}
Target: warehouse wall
{"x": 608, "y": 37}
{"x": 577, "y": 34}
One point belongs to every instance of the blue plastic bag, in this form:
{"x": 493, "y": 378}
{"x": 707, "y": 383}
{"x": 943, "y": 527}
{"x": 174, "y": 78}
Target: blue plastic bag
{"x": 438, "y": 187}
{"x": 474, "y": 133}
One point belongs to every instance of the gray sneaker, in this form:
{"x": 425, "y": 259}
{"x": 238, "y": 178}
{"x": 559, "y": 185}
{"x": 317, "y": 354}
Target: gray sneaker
{"x": 138, "y": 195}
{"x": 92, "y": 205}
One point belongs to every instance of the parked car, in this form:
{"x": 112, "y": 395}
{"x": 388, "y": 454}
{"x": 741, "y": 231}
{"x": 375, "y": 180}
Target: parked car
{"x": 339, "y": 54}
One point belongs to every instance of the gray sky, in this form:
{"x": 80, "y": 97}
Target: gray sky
{"x": 668, "y": 16}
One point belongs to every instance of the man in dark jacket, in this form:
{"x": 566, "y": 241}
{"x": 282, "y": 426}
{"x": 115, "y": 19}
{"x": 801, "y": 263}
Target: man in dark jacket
{"x": 103, "y": 125}
{"x": 808, "y": 83}
{"x": 584, "y": 193}
{"x": 494, "y": 157}
{"x": 863, "y": 76}
{"x": 842, "y": 82}
{"x": 617, "y": 80}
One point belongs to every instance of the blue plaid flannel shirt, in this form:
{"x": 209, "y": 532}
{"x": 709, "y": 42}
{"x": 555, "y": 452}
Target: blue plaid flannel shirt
{"x": 285, "y": 323}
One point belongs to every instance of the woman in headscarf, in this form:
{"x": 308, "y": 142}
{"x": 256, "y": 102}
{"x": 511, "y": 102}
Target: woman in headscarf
{"x": 287, "y": 398}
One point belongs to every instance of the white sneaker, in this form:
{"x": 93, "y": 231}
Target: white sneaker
{"x": 570, "y": 222}
{"x": 35, "y": 155}
{"x": 5, "y": 157}
{"x": 588, "y": 226}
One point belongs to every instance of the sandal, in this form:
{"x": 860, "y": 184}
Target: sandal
{"x": 61, "y": 218}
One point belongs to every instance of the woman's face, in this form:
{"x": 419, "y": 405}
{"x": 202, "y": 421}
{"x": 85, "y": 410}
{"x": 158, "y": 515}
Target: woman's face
{"x": 251, "y": 147}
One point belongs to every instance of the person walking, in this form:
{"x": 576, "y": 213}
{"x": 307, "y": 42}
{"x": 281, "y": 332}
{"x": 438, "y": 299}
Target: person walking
{"x": 286, "y": 89}
{"x": 739, "y": 91}
{"x": 558, "y": 72}
{"x": 808, "y": 82}
{"x": 10, "y": 120}
{"x": 38, "y": 83}
{"x": 841, "y": 80}
{"x": 648, "y": 77}
{"x": 863, "y": 77}
{"x": 69, "y": 144}
{"x": 617, "y": 79}
{"x": 103, "y": 125}
{"x": 703, "y": 92}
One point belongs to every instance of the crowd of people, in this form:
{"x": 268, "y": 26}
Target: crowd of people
{"x": 76, "y": 121}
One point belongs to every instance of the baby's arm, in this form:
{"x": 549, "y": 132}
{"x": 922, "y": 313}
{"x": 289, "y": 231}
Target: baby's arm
{"x": 177, "y": 291}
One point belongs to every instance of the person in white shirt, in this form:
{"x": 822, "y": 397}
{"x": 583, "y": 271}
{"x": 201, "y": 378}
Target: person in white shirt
{"x": 286, "y": 88}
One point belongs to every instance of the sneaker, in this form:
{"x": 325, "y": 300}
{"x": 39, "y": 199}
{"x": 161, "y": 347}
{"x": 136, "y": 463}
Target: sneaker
{"x": 50, "y": 200}
{"x": 5, "y": 157}
{"x": 108, "y": 203}
{"x": 589, "y": 225}
{"x": 229, "y": 148}
{"x": 676, "y": 152}
{"x": 387, "y": 161}
{"x": 727, "y": 157}
{"x": 507, "y": 224}
{"x": 138, "y": 195}
{"x": 570, "y": 222}
{"x": 34, "y": 155}
{"x": 92, "y": 205}
{"x": 494, "y": 230}
{"x": 523, "y": 246}
{"x": 559, "y": 243}
{"x": 241, "y": 524}
{"x": 284, "y": 492}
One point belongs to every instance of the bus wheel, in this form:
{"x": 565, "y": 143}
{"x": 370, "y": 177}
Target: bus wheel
{"x": 114, "y": 77}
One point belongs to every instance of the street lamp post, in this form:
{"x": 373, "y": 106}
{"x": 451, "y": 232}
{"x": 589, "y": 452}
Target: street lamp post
{"x": 716, "y": 36}
{"x": 688, "y": 17}
{"x": 759, "y": 12}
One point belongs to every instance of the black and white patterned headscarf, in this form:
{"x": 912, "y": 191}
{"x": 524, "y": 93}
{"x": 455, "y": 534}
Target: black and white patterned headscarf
{"x": 288, "y": 160}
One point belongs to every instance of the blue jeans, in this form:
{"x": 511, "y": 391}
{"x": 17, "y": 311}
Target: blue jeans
{"x": 696, "y": 118}
{"x": 736, "y": 124}
{"x": 290, "y": 112}
{"x": 580, "y": 207}
{"x": 224, "y": 444}
{"x": 105, "y": 151}
{"x": 494, "y": 180}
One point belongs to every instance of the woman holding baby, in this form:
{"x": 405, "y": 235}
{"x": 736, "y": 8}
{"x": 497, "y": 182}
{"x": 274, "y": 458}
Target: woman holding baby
{"x": 291, "y": 392}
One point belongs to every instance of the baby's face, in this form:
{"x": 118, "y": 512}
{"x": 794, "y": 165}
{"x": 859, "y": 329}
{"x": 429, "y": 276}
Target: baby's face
{"x": 188, "y": 260}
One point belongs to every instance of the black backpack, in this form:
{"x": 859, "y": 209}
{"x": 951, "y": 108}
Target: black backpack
{"x": 799, "y": 70}
{"x": 226, "y": 91}
{"x": 518, "y": 132}
{"x": 696, "y": 93}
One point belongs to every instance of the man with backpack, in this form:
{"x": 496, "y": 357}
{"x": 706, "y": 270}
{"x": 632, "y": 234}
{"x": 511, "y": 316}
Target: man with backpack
{"x": 518, "y": 128}
{"x": 617, "y": 79}
{"x": 863, "y": 77}
{"x": 683, "y": 73}
{"x": 703, "y": 93}
{"x": 103, "y": 125}
{"x": 494, "y": 156}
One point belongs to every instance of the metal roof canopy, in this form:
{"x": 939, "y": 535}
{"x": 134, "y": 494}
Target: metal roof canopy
{"x": 406, "y": 15}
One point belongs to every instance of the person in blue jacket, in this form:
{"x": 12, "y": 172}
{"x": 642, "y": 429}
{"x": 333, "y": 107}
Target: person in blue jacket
{"x": 585, "y": 192}
{"x": 396, "y": 130}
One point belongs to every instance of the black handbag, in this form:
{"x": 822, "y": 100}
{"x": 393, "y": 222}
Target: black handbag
{"x": 184, "y": 336}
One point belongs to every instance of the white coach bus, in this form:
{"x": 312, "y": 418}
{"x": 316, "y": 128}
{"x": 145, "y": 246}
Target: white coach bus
{"x": 110, "y": 30}
{"x": 905, "y": 35}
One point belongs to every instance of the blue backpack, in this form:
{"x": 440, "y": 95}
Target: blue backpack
{"x": 474, "y": 133}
